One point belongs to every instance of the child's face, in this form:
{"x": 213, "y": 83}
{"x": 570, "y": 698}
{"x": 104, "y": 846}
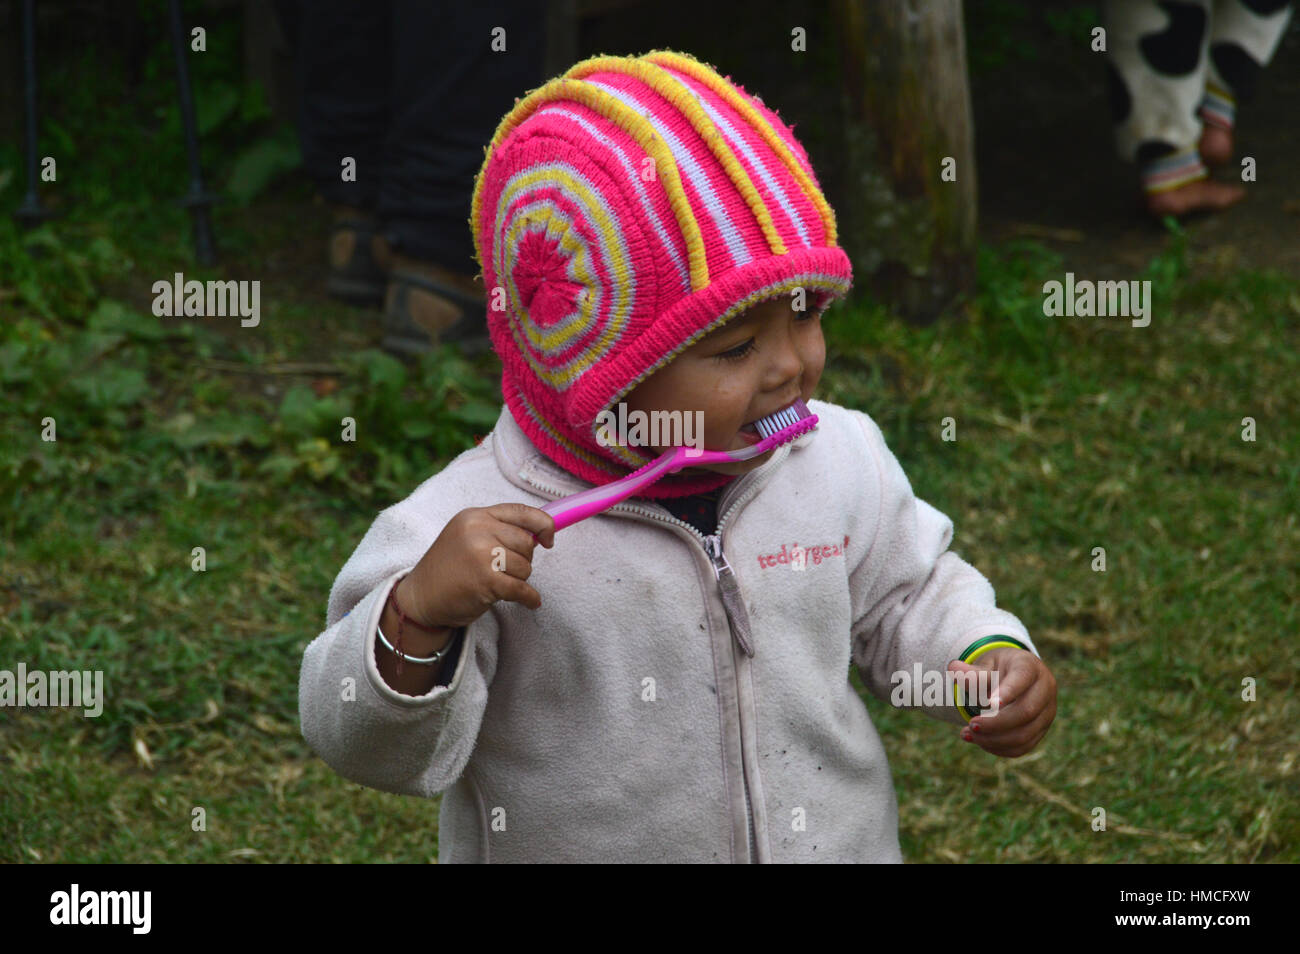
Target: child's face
{"x": 754, "y": 365}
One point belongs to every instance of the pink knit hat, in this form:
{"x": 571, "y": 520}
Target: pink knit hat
{"x": 623, "y": 211}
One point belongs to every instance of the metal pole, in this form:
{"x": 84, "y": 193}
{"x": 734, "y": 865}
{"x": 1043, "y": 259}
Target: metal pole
{"x": 198, "y": 199}
{"x": 30, "y": 213}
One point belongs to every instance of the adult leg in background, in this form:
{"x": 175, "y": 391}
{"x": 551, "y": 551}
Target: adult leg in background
{"x": 457, "y": 69}
{"x": 343, "y": 53}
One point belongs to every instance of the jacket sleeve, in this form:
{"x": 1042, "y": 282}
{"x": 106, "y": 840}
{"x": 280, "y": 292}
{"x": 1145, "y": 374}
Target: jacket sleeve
{"x": 914, "y": 600}
{"x": 359, "y": 725}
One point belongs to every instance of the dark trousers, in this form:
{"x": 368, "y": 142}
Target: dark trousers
{"x": 412, "y": 90}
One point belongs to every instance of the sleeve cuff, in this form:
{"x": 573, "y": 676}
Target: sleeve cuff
{"x": 382, "y": 689}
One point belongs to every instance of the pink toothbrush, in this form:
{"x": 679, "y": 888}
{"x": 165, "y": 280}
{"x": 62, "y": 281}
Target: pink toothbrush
{"x": 775, "y": 429}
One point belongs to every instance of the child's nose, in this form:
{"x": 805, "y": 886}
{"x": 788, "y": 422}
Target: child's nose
{"x": 787, "y": 365}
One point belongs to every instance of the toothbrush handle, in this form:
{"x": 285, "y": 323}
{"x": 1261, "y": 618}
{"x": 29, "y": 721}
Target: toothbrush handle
{"x": 569, "y": 510}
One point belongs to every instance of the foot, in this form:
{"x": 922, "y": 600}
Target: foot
{"x": 1203, "y": 195}
{"x": 416, "y": 317}
{"x": 1216, "y": 145}
{"x": 358, "y": 257}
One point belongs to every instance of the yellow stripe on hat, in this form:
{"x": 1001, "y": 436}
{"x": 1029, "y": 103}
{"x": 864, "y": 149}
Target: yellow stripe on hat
{"x": 675, "y": 92}
{"x": 694, "y": 68}
{"x": 566, "y": 89}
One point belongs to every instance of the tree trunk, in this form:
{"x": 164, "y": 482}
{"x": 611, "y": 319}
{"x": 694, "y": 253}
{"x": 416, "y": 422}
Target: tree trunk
{"x": 909, "y": 230}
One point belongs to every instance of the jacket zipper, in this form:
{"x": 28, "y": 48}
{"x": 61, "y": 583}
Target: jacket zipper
{"x": 739, "y": 621}
{"x": 731, "y": 603}
{"x": 731, "y": 599}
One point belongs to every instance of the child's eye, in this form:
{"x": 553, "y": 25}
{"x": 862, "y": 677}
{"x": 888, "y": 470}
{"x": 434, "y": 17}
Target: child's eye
{"x": 737, "y": 353}
{"x": 742, "y": 351}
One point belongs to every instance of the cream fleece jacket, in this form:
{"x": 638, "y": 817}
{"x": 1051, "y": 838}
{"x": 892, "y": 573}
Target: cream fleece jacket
{"x": 624, "y": 720}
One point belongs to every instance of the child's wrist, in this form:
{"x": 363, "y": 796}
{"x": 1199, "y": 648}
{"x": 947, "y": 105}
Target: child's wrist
{"x": 418, "y": 630}
{"x": 408, "y": 606}
{"x": 415, "y": 642}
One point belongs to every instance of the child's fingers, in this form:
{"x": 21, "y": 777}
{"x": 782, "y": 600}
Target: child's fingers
{"x": 1019, "y": 711}
{"x": 1018, "y": 741}
{"x": 1007, "y": 719}
{"x": 1016, "y": 671}
{"x": 1016, "y": 676}
{"x": 514, "y": 566}
{"x": 1002, "y": 714}
{"x": 1006, "y": 683}
{"x": 1038, "y": 703}
{"x": 537, "y": 522}
{"x": 514, "y": 590}
{"x": 509, "y": 562}
{"x": 517, "y": 540}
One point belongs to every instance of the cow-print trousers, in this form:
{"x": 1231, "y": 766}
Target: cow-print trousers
{"x": 1175, "y": 64}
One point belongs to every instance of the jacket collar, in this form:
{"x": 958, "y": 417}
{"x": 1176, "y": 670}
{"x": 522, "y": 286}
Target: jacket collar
{"x": 529, "y": 469}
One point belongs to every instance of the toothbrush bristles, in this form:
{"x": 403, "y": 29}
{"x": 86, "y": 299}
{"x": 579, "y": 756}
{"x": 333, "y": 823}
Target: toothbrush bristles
{"x": 775, "y": 423}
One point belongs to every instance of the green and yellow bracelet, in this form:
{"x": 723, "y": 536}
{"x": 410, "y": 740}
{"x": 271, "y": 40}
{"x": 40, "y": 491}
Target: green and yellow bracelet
{"x": 973, "y": 652}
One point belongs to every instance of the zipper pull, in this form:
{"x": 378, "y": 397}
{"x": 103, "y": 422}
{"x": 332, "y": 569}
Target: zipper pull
{"x": 732, "y": 601}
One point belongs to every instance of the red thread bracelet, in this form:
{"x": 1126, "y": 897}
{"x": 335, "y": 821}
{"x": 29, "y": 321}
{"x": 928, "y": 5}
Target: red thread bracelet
{"x": 402, "y": 620}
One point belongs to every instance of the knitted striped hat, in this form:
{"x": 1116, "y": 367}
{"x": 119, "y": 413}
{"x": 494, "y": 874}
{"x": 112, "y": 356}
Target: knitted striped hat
{"x": 624, "y": 210}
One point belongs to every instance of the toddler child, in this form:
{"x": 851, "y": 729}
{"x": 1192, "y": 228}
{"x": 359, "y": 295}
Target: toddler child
{"x": 667, "y": 680}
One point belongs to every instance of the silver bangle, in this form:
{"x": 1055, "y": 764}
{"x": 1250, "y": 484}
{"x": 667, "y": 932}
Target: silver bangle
{"x": 412, "y": 659}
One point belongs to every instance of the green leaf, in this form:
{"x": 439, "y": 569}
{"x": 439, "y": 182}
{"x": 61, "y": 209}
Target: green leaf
{"x": 89, "y": 346}
{"x": 476, "y": 414}
{"x": 306, "y": 415}
{"x": 258, "y": 165}
{"x": 111, "y": 386}
{"x": 111, "y": 316}
{"x": 254, "y": 107}
{"x": 298, "y": 410}
{"x": 220, "y": 429}
{"x": 14, "y": 363}
{"x": 418, "y": 428}
{"x": 64, "y": 143}
{"x": 383, "y": 370}
{"x": 279, "y": 466}
{"x": 214, "y": 104}
{"x": 29, "y": 290}
{"x": 105, "y": 256}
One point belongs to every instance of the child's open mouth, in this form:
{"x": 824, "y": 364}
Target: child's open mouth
{"x": 749, "y": 433}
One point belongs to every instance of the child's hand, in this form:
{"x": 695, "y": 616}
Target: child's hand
{"x": 1025, "y": 700}
{"x": 484, "y": 554}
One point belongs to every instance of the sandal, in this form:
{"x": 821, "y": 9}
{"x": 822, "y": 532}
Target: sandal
{"x": 404, "y": 334}
{"x": 359, "y": 279}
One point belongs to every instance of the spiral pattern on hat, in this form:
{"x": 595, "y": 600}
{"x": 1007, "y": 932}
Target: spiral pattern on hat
{"x": 564, "y": 262}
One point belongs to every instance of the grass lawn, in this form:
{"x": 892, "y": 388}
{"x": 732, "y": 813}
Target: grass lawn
{"x": 1071, "y": 434}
